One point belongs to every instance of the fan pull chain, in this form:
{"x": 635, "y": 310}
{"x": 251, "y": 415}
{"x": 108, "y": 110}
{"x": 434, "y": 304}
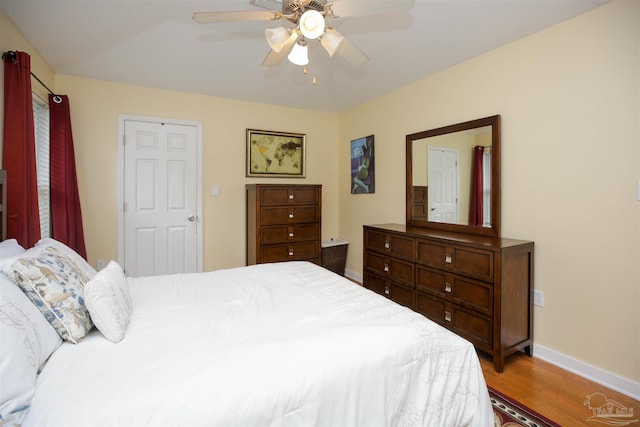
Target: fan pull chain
{"x": 304, "y": 70}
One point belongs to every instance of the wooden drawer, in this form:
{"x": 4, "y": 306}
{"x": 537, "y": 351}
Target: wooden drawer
{"x": 389, "y": 288}
{"x": 291, "y": 252}
{"x": 399, "y": 270}
{"x": 466, "y": 323}
{"x": 396, "y": 245}
{"x": 469, "y": 262}
{"x": 290, "y": 196}
{"x": 458, "y": 289}
{"x": 289, "y": 233}
{"x": 289, "y": 215}
{"x": 475, "y": 286}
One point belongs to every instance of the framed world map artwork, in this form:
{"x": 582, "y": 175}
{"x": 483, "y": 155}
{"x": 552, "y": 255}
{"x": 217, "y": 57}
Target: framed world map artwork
{"x": 275, "y": 154}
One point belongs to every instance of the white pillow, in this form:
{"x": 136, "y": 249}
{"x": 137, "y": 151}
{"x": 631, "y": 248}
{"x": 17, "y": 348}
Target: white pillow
{"x": 9, "y": 248}
{"x": 27, "y": 340}
{"x": 109, "y": 301}
{"x": 73, "y": 255}
{"x": 56, "y": 286}
{"x": 29, "y": 253}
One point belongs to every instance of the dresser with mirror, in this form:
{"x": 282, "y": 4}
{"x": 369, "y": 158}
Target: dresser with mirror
{"x": 449, "y": 261}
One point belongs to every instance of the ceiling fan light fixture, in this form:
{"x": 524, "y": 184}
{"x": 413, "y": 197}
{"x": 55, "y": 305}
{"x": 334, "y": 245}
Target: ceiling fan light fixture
{"x": 277, "y": 37}
{"x": 311, "y": 24}
{"x": 331, "y": 41}
{"x": 299, "y": 54}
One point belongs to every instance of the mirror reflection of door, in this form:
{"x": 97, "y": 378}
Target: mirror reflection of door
{"x": 442, "y": 165}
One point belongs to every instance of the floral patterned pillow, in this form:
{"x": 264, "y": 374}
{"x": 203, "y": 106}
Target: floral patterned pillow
{"x": 56, "y": 286}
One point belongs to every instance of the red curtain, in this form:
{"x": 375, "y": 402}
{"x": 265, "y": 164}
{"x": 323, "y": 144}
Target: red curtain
{"x": 66, "y": 216}
{"x": 19, "y": 151}
{"x": 476, "y": 208}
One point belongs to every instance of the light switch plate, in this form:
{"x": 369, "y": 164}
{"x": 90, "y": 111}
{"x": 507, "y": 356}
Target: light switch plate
{"x": 538, "y": 298}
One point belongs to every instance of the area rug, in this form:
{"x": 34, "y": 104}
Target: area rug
{"x": 509, "y": 413}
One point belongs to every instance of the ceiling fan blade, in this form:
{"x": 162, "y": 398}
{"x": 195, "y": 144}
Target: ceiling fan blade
{"x": 274, "y": 58}
{"x": 334, "y": 42}
{"x": 230, "y": 16}
{"x": 363, "y": 8}
{"x": 352, "y": 53}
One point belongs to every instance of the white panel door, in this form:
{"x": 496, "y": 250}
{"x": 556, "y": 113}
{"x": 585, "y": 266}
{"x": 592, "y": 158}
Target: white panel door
{"x": 442, "y": 164}
{"x": 160, "y": 198}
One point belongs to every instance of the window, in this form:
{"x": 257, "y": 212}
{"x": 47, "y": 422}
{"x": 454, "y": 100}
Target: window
{"x": 41, "y": 129}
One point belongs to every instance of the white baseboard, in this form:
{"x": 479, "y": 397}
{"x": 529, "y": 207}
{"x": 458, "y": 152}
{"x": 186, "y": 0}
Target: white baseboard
{"x": 353, "y": 276}
{"x": 592, "y": 373}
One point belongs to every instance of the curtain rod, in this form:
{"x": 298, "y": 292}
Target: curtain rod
{"x": 12, "y": 55}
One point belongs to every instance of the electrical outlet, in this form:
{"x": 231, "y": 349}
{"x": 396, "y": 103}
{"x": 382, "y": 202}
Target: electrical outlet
{"x": 100, "y": 264}
{"x": 538, "y": 298}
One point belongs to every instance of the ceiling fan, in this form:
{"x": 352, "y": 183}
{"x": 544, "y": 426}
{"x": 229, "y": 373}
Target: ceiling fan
{"x": 309, "y": 17}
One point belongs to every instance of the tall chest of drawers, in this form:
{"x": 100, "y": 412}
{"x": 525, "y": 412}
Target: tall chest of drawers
{"x": 477, "y": 287}
{"x": 283, "y": 223}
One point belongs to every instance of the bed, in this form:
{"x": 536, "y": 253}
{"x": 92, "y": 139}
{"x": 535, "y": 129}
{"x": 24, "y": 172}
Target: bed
{"x": 271, "y": 344}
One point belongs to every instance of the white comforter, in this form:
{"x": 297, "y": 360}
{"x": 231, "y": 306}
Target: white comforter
{"x": 288, "y": 344}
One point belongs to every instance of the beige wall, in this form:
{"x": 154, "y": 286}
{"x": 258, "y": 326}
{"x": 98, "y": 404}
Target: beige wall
{"x": 569, "y": 100}
{"x": 95, "y": 106}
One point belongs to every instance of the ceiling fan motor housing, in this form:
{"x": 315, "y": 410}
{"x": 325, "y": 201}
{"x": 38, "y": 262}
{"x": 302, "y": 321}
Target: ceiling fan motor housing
{"x": 295, "y": 8}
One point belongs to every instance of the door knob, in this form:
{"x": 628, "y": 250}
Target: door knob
{"x": 192, "y": 218}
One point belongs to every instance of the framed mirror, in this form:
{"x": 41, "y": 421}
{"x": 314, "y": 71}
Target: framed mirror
{"x": 453, "y": 177}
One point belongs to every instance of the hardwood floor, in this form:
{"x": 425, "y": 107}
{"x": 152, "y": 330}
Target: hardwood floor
{"x": 553, "y": 392}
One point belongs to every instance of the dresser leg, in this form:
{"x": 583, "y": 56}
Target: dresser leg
{"x": 498, "y": 363}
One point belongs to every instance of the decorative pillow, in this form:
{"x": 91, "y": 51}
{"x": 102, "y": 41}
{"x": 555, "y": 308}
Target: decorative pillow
{"x": 73, "y": 255}
{"x": 56, "y": 286}
{"x": 9, "y": 248}
{"x": 27, "y": 341}
{"x": 109, "y": 301}
{"x": 33, "y": 252}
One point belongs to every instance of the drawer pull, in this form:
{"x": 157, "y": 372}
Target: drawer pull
{"x": 447, "y": 287}
{"x": 447, "y": 258}
{"x": 290, "y": 252}
{"x": 386, "y": 267}
{"x": 291, "y": 196}
{"x": 386, "y": 290}
{"x": 387, "y": 244}
{"x": 447, "y": 316}
{"x": 291, "y": 234}
{"x": 290, "y": 215}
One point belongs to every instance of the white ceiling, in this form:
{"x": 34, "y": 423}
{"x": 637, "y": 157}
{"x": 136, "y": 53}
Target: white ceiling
{"x": 156, "y": 43}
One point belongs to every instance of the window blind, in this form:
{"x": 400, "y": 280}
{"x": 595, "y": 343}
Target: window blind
{"x": 41, "y": 130}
